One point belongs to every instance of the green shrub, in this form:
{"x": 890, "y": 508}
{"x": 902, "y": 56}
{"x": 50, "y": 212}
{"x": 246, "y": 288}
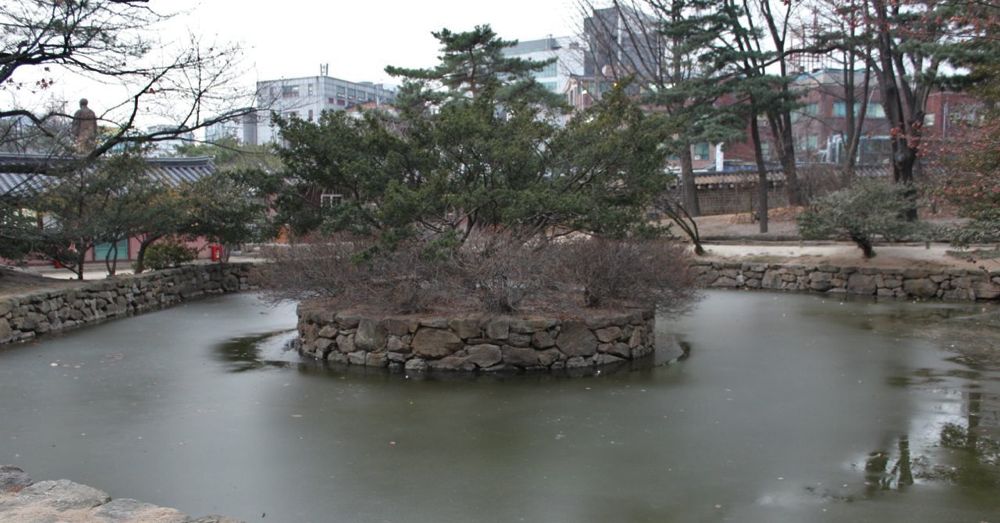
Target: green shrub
{"x": 862, "y": 212}
{"x": 168, "y": 254}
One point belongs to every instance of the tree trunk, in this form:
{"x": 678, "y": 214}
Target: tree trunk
{"x": 758, "y": 154}
{"x": 865, "y": 244}
{"x": 81, "y": 258}
{"x": 792, "y": 189}
{"x": 689, "y": 188}
{"x": 140, "y": 256}
{"x": 903, "y": 161}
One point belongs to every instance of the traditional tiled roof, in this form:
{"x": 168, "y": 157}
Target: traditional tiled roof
{"x": 26, "y": 173}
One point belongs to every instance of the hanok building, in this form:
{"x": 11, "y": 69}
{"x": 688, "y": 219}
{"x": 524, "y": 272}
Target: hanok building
{"x": 25, "y": 175}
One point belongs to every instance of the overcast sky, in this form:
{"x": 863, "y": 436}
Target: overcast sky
{"x": 289, "y": 38}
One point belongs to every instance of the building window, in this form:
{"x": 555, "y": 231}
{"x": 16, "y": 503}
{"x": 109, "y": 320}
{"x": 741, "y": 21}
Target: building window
{"x": 930, "y": 120}
{"x": 341, "y": 90}
{"x": 329, "y": 199}
{"x": 876, "y": 110}
{"x": 309, "y": 89}
{"x": 310, "y": 115}
{"x": 289, "y": 91}
{"x": 812, "y": 109}
{"x": 840, "y": 109}
{"x": 700, "y": 151}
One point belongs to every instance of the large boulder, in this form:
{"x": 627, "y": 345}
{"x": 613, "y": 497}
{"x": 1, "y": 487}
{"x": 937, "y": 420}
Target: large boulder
{"x": 576, "y": 339}
{"x": 435, "y": 343}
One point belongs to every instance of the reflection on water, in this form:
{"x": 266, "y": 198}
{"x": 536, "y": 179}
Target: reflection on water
{"x": 760, "y": 407}
{"x": 271, "y": 349}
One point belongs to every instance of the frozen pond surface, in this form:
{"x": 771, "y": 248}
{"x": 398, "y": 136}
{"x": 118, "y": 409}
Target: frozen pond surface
{"x": 789, "y": 408}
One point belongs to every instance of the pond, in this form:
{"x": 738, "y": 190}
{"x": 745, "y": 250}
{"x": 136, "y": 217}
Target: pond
{"x": 787, "y": 408}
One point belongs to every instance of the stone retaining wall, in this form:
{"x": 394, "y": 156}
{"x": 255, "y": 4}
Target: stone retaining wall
{"x": 947, "y": 284}
{"x": 26, "y": 317}
{"x": 475, "y": 343}
{"x": 24, "y": 501}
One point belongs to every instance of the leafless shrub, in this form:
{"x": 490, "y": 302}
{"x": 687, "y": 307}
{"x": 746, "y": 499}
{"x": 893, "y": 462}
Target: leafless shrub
{"x": 625, "y": 272}
{"x": 501, "y": 271}
{"x": 358, "y": 273}
{"x": 491, "y": 272}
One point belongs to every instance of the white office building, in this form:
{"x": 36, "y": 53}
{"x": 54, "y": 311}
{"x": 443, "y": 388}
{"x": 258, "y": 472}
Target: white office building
{"x": 306, "y": 98}
{"x": 568, "y": 54}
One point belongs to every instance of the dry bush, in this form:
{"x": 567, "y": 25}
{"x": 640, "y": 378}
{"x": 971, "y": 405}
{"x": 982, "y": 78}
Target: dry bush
{"x": 625, "y": 272}
{"x": 490, "y": 272}
{"x": 357, "y": 273}
{"x": 501, "y": 271}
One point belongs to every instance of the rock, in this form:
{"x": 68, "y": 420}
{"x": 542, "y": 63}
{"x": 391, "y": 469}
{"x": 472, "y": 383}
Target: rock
{"x": 636, "y": 339}
{"x": 621, "y": 350}
{"x": 5, "y": 307}
{"x": 724, "y": 282}
{"x": 13, "y": 479}
{"x": 519, "y": 340}
{"x": 5, "y": 331}
{"x": 577, "y": 362}
{"x": 395, "y": 344}
{"x": 62, "y": 495}
{"x": 230, "y": 283}
{"x": 771, "y": 279}
{"x": 985, "y": 290}
{"x": 609, "y": 334}
{"x": 484, "y": 355}
{"x": 920, "y": 288}
{"x": 323, "y": 345}
{"x": 542, "y": 340}
{"x": 345, "y": 343}
{"x": 415, "y": 365}
{"x": 605, "y": 359}
{"x": 126, "y": 510}
{"x": 863, "y": 284}
{"x": 434, "y": 323}
{"x": 329, "y": 331}
{"x": 397, "y": 326}
{"x": 498, "y": 329}
{"x": 548, "y": 357}
{"x": 348, "y": 321}
{"x": 532, "y": 325}
{"x": 576, "y": 339}
{"x": 370, "y": 336}
{"x": 216, "y": 519}
{"x": 435, "y": 343}
{"x": 465, "y": 328}
{"x": 357, "y": 357}
{"x": 519, "y": 357}
{"x": 337, "y": 357}
{"x": 376, "y": 359}
{"x": 449, "y": 363}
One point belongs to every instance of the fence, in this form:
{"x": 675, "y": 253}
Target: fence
{"x": 736, "y": 192}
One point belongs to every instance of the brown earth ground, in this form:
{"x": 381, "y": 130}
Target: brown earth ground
{"x": 16, "y": 282}
{"x": 734, "y": 237}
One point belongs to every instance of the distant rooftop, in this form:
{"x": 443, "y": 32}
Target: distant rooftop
{"x": 25, "y": 173}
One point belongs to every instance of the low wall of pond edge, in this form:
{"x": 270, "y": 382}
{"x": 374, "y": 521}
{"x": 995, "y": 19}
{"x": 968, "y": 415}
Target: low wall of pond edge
{"x": 922, "y": 283}
{"x": 29, "y": 316}
{"x": 475, "y": 343}
{"x": 22, "y": 499}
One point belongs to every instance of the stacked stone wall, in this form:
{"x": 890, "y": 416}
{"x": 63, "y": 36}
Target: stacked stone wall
{"x": 23, "y": 318}
{"x": 475, "y": 343}
{"x": 946, "y": 284}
